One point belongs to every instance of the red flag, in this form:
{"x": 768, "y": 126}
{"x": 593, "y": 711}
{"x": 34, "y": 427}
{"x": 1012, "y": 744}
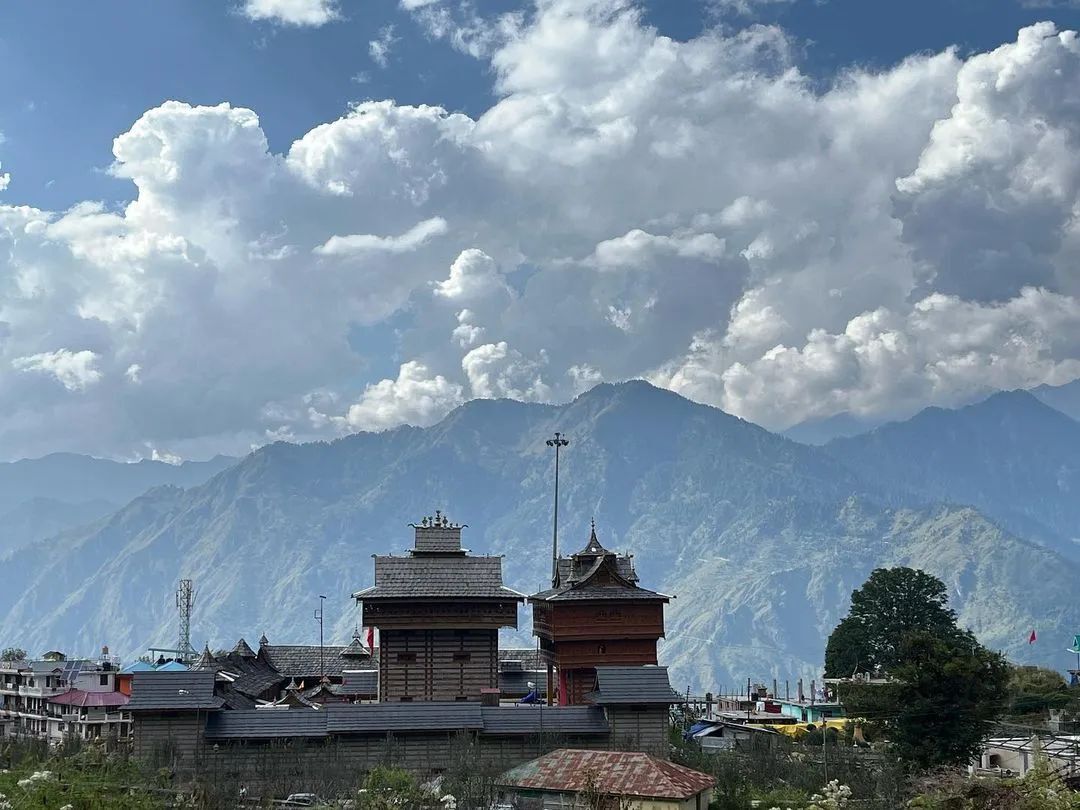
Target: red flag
{"x": 370, "y": 637}
{"x": 1032, "y": 637}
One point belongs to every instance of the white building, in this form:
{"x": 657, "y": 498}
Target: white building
{"x": 1016, "y": 756}
{"x": 54, "y": 697}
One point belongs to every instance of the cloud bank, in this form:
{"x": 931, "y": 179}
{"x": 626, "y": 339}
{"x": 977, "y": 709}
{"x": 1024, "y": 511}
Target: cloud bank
{"x": 694, "y": 212}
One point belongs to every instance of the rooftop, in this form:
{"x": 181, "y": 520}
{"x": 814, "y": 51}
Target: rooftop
{"x": 619, "y": 773}
{"x": 633, "y": 685}
{"x": 438, "y": 577}
{"x": 77, "y": 697}
{"x": 161, "y": 691}
{"x": 404, "y": 718}
{"x": 594, "y": 573}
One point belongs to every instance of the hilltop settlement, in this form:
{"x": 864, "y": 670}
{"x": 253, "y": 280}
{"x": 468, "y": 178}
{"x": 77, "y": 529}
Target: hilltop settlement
{"x": 586, "y": 718}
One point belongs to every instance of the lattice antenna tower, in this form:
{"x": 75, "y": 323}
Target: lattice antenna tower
{"x": 185, "y": 600}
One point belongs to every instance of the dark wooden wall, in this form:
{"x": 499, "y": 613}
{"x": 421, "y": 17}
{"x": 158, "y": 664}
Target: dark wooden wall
{"x": 437, "y": 664}
{"x": 640, "y": 728}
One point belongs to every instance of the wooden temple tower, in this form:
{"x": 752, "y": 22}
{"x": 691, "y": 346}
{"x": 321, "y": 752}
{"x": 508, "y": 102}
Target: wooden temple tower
{"x": 438, "y": 612}
{"x": 595, "y": 615}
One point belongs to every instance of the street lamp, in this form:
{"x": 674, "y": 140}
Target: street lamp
{"x": 558, "y": 442}
{"x": 322, "y": 658}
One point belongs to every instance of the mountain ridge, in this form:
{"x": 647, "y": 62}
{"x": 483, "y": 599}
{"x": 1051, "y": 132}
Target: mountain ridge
{"x": 760, "y": 538}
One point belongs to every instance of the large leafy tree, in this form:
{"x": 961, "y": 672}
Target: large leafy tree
{"x": 950, "y": 690}
{"x": 946, "y": 689}
{"x": 892, "y": 603}
{"x": 12, "y": 654}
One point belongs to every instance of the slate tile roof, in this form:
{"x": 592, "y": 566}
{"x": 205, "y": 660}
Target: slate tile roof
{"x": 266, "y": 723}
{"x": 438, "y": 578}
{"x": 162, "y": 691}
{"x": 359, "y": 682}
{"x": 403, "y": 717}
{"x": 568, "y": 593}
{"x": 550, "y": 719}
{"x": 621, "y": 773}
{"x": 633, "y": 685}
{"x": 302, "y": 660}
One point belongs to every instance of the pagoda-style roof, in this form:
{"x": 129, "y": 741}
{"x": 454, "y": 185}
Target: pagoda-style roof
{"x": 437, "y": 568}
{"x": 243, "y": 650}
{"x": 595, "y": 573}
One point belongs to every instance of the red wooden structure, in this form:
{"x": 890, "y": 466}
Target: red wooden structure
{"x": 594, "y": 615}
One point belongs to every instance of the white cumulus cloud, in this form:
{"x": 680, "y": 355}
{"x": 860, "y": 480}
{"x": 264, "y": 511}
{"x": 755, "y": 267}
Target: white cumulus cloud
{"x": 74, "y": 370}
{"x": 292, "y": 12}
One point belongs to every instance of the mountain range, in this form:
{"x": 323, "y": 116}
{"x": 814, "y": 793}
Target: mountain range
{"x": 760, "y": 539}
{"x": 44, "y": 496}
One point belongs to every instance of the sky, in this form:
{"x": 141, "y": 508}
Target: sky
{"x": 229, "y": 223}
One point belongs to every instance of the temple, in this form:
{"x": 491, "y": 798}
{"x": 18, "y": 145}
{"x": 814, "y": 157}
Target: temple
{"x": 438, "y": 612}
{"x": 595, "y": 615}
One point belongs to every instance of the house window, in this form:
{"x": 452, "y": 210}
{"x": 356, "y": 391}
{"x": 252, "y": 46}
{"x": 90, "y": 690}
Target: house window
{"x": 406, "y": 658}
{"x": 462, "y": 657}
{"x": 103, "y": 680}
{"x": 406, "y": 699}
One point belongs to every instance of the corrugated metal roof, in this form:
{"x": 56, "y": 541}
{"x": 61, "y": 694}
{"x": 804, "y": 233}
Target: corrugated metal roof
{"x": 173, "y": 690}
{"x": 438, "y": 578}
{"x": 506, "y": 720}
{"x": 77, "y": 697}
{"x": 266, "y": 724}
{"x": 403, "y": 717}
{"x": 643, "y": 684}
{"x": 620, "y": 773}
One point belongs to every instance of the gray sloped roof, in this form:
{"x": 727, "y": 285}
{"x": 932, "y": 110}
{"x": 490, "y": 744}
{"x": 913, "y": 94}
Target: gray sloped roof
{"x": 403, "y": 717}
{"x": 165, "y": 691}
{"x": 642, "y": 684}
{"x": 359, "y": 682}
{"x": 266, "y": 724}
{"x": 508, "y": 720}
{"x": 302, "y": 660}
{"x": 438, "y": 578}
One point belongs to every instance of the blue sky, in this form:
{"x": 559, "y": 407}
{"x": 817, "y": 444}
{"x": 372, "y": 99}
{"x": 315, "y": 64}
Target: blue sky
{"x": 78, "y": 74}
{"x": 228, "y": 223}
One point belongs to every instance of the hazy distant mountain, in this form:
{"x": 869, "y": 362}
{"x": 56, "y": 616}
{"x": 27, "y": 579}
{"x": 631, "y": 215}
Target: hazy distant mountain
{"x": 821, "y": 431}
{"x": 43, "y": 496}
{"x": 760, "y": 538}
{"x": 38, "y": 518}
{"x": 1065, "y": 398}
{"x": 1011, "y": 456}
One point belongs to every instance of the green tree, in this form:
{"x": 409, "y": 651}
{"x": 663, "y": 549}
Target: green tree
{"x": 1034, "y": 691}
{"x": 12, "y": 654}
{"x": 950, "y": 690}
{"x": 892, "y": 603}
{"x": 945, "y": 689}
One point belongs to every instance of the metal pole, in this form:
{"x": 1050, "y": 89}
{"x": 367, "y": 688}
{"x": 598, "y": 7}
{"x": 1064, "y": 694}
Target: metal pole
{"x": 558, "y": 442}
{"x": 322, "y": 658}
{"x": 824, "y": 751}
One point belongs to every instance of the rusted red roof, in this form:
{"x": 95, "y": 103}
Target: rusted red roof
{"x": 77, "y": 697}
{"x": 620, "y": 773}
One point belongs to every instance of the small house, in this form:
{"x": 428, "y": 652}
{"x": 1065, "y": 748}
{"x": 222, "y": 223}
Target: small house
{"x": 569, "y": 779}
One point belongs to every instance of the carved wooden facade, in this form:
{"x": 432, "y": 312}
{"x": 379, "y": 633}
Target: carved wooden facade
{"x": 438, "y": 612}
